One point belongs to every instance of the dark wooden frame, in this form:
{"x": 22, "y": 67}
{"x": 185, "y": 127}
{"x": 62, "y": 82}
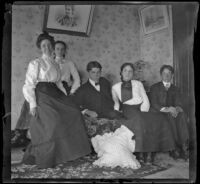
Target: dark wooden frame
{"x": 142, "y": 19}
{"x": 70, "y": 32}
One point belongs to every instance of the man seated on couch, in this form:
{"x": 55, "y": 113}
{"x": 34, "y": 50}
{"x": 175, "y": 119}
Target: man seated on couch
{"x": 94, "y": 97}
{"x": 165, "y": 97}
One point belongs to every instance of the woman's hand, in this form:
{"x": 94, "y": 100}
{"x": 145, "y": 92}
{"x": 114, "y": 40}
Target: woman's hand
{"x": 92, "y": 114}
{"x": 33, "y": 111}
{"x": 71, "y": 93}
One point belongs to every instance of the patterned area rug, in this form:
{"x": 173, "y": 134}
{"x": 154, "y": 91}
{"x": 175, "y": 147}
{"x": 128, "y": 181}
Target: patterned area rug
{"x": 83, "y": 168}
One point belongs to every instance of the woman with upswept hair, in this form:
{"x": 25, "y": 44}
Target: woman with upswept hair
{"x": 69, "y": 74}
{"x": 56, "y": 125}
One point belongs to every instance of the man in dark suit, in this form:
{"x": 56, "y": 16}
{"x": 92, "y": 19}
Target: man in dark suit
{"x": 165, "y": 97}
{"x": 94, "y": 97}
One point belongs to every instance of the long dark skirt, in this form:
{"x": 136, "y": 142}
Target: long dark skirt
{"x": 57, "y": 134}
{"x": 24, "y": 118}
{"x": 152, "y": 131}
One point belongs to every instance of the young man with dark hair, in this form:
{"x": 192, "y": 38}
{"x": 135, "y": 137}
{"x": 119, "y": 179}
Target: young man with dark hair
{"x": 166, "y": 98}
{"x": 94, "y": 97}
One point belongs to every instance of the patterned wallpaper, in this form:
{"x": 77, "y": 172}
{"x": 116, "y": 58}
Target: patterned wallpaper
{"x": 156, "y": 49}
{"x": 115, "y": 38}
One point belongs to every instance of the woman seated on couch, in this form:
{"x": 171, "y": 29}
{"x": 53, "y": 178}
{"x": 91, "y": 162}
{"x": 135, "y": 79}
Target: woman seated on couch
{"x": 151, "y": 129}
{"x": 56, "y": 125}
{"x": 71, "y": 82}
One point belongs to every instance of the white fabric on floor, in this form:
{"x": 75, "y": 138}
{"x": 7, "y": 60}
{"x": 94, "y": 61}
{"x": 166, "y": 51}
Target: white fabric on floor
{"x": 116, "y": 149}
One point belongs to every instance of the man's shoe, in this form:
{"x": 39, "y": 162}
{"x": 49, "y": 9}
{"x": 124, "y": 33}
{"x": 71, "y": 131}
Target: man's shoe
{"x": 148, "y": 158}
{"x": 174, "y": 154}
{"x": 184, "y": 152}
{"x": 153, "y": 155}
{"x": 184, "y": 155}
{"x": 139, "y": 157}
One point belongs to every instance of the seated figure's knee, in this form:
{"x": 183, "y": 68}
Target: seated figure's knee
{"x": 182, "y": 117}
{"x": 115, "y": 115}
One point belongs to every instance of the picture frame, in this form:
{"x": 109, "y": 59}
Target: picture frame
{"x": 68, "y": 19}
{"x": 154, "y": 18}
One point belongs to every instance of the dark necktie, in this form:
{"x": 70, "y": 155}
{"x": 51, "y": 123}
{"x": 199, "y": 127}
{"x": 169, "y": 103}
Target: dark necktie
{"x": 168, "y": 97}
{"x": 96, "y": 83}
{"x": 126, "y": 91}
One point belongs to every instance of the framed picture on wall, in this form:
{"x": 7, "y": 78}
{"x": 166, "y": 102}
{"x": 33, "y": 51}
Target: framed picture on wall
{"x": 68, "y": 19}
{"x": 154, "y": 18}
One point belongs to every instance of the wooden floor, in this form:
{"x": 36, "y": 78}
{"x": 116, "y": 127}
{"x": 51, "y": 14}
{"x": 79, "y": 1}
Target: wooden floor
{"x": 179, "y": 170}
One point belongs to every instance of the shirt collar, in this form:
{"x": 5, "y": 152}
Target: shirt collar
{"x": 59, "y": 60}
{"x": 127, "y": 84}
{"x": 166, "y": 83}
{"x": 45, "y": 57}
{"x": 92, "y": 82}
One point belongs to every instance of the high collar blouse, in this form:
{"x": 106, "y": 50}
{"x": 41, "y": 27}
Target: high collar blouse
{"x": 139, "y": 96}
{"x": 42, "y": 69}
{"x": 68, "y": 69}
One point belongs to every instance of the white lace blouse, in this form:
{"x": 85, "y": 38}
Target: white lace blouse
{"x": 138, "y": 93}
{"x": 42, "y": 69}
{"x": 68, "y": 69}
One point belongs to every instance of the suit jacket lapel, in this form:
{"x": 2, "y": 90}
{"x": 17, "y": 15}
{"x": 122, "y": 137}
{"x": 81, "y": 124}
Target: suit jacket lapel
{"x": 161, "y": 94}
{"x": 103, "y": 88}
{"x": 163, "y": 87}
{"x": 91, "y": 86}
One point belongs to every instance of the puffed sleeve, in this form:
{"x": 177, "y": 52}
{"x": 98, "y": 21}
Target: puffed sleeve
{"x": 75, "y": 76}
{"x": 145, "y": 104}
{"x": 115, "y": 99}
{"x": 30, "y": 83}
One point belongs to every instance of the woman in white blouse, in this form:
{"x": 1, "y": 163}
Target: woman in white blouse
{"x": 151, "y": 129}
{"x": 56, "y": 125}
{"x": 71, "y": 82}
{"x": 69, "y": 74}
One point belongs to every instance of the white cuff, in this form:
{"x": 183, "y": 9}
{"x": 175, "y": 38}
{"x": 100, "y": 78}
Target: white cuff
{"x": 83, "y": 111}
{"x": 116, "y": 108}
{"x": 72, "y": 91}
{"x": 32, "y": 105}
{"x": 162, "y": 109}
{"x": 144, "y": 109}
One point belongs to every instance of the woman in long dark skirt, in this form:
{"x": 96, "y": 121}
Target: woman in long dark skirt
{"x": 56, "y": 125}
{"x": 71, "y": 82}
{"x": 151, "y": 129}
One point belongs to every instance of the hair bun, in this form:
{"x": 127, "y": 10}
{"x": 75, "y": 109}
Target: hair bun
{"x": 44, "y": 35}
